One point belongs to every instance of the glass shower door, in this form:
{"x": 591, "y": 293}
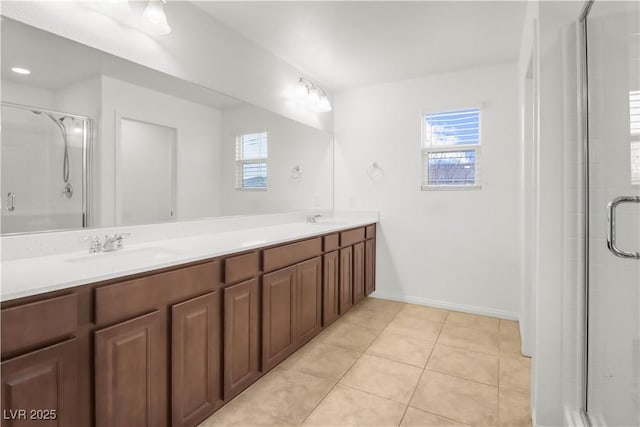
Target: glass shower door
{"x": 613, "y": 67}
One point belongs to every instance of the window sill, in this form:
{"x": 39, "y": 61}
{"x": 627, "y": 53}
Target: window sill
{"x": 251, "y": 189}
{"x": 451, "y": 187}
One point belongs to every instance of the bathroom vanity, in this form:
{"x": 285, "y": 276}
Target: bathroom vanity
{"x": 172, "y": 345}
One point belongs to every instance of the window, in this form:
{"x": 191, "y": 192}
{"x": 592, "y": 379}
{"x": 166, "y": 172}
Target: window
{"x": 251, "y": 161}
{"x": 451, "y": 150}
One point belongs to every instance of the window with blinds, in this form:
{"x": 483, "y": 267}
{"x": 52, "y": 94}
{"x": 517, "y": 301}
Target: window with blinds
{"x": 251, "y": 161}
{"x": 451, "y": 150}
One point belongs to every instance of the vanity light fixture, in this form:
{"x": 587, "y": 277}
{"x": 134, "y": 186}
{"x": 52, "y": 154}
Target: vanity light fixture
{"x": 311, "y": 96}
{"x": 20, "y": 70}
{"x": 154, "y": 20}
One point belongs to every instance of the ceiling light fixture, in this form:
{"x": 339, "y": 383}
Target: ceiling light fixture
{"x": 20, "y": 70}
{"x": 311, "y": 96}
{"x": 154, "y": 20}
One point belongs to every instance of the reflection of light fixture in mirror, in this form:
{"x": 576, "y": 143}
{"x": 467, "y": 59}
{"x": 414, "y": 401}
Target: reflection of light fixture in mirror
{"x": 20, "y": 70}
{"x": 154, "y": 20}
{"x": 311, "y": 96}
{"x": 296, "y": 173}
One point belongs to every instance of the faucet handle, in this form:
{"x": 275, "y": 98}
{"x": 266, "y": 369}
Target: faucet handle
{"x": 96, "y": 246}
{"x": 119, "y": 238}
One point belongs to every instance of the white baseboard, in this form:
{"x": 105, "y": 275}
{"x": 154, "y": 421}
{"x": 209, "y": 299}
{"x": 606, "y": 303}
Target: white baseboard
{"x": 483, "y": 311}
{"x": 575, "y": 418}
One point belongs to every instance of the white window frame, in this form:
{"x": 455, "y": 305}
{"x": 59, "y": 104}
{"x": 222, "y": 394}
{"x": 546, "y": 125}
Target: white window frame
{"x": 240, "y": 162}
{"x": 428, "y": 149}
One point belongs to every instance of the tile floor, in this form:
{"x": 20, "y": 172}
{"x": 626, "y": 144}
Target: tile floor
{"x": 386, "y": 363}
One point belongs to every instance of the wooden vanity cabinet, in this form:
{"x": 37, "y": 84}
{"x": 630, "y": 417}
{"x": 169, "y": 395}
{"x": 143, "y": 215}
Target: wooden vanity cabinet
{"x": 241, "y": 336}
{"x": 131, "y": 373}
{"x": 358, "y": 272}
{"x": 346, "y": 279}
{"x": 330, "y": 287}
{"x": 370, "y": 266}
{"x": 196, "y": 359}
{"x": 170, "y": 347}
{"x": 41, "y": 387}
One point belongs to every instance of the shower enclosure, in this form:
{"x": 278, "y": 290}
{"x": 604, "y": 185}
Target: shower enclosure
{"x": 44, "y": 169}
{"x": 611, "y": 104}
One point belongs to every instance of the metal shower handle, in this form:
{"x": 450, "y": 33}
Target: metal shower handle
{"x": 11, "y": 201}
{"x": 611, "y": 231}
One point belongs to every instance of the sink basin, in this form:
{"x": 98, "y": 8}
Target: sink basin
{"x": 127, "y": 255}
{"x": 329, "y": 222}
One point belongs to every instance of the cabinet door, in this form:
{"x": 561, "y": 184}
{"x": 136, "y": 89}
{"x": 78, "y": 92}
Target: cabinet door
{"x": 196, "y": 353}
{"x": 370, "y": 266}
{"x": 358, "y": 272}
{"x": 131, "y": 373}
{"x": 346, "y": 279}
{"x": 241, "y": 336}
{"x": 43, "y": 381}
{"x": 278, "y": 324}
{"x": 309, "y": 299}
{"x": 330, "y": 288}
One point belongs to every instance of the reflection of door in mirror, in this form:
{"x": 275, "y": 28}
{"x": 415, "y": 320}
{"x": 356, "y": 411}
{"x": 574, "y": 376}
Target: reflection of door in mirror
{"x": 146, "y": 173}
{"x": 42, "y": 169}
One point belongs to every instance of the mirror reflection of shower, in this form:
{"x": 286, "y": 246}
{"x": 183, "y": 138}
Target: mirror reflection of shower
{"x": 44, "y": 169}
{"x": 59, "y": 122}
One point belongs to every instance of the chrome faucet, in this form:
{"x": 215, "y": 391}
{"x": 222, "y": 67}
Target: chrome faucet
{"x": 113, "y": 242}
{"x": 312, "y": 219}
{"x": 96, "y": 246}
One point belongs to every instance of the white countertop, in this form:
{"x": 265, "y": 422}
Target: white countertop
{"x": 35, "y": 275}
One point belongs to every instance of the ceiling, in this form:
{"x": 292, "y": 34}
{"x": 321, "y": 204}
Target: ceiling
{"x": 348, "y": 44}
{"x": 56, "y": 62}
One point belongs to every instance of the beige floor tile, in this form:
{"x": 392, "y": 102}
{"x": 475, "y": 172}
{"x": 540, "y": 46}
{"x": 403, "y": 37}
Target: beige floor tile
{"x": 473, "y": 321}
{"x": 422, "y": 312}
{"x": 514, "y": 409}
{"x": 286, "y": 394}
{"x": 383, "y": 377}
{"x": 455, "y": 398}
{"x": 470, "y": 339}
{"x": 239, "y": 415}
{"x": 510, "y": 342}
{"x": 381, "y": 305}
{"x": 368, "y": 317}
{"x": 418, "y": 418}
{"x": 466, "y": 364}
{"x": 348, "y": 335}
{"x": 345, "y": 406}
{"x": 402, "y": 348}
{"x": 415, "y": 327}
{"x": 515, "y": 373}
{"x": 321, "y": 360}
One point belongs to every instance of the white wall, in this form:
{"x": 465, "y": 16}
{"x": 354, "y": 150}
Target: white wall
{"x": 456, "y": 249}
{"x": 198, "y": 139}
{"x": 290, "y": 144}
{"x": 230, "y": 64}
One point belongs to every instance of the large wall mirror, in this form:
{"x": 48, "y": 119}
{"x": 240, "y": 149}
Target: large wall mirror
{"x": 93, "y": 140}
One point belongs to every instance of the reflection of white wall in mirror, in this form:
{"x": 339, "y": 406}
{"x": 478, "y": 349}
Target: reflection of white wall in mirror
{"x": 146, "y": 175}
{"x": 290, "y": 143}
{"x": 198, "y": 146}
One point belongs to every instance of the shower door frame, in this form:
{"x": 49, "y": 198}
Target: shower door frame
{"x": 87, "y": 133}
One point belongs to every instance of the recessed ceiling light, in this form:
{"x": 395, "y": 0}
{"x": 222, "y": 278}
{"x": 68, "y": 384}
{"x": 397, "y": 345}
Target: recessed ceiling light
{"x": 20, "y": 70}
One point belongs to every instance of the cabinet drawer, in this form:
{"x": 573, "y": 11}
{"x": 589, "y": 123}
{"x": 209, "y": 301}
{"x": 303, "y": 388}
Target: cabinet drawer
{"x": 241, "y": 267}
{"x": 371, "y": 231}
{"x": 331, "y": 242}
{"x": 29, "y": 324}
{"x": 284, "y": 256}
{"x": 350, "y": 237}
{"x": 128, "y": 299}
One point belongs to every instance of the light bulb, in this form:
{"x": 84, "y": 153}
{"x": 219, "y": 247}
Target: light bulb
{"x": 324, "y": 105}
{"x": 154, "y": 20}
{"x": 314, "y": 97}
{"x": 302, "y": 91}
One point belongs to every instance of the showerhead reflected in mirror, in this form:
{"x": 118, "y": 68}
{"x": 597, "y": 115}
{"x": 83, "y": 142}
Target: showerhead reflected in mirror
{"x": 92, "y": 140}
